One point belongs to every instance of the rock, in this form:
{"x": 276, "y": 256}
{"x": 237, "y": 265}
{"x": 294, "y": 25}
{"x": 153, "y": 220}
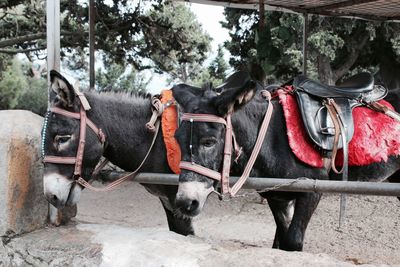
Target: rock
{"x": 23, "y": 207}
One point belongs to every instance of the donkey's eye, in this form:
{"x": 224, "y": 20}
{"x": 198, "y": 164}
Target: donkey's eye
{"x": 61, "y": 139}
{"x": 208, "y": 142}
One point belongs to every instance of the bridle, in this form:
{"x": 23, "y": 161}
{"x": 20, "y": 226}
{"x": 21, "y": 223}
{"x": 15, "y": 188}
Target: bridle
{"x": 84, "y": 122}
{"x": 223, "y": 176}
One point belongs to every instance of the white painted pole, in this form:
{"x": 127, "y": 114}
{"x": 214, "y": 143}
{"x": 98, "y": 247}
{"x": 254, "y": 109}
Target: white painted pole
{"x": 53, "y": 35}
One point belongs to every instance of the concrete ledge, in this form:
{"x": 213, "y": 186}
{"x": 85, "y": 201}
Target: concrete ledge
{"x": 110, "y": 245}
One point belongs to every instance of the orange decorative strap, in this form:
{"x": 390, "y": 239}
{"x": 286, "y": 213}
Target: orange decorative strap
{"x": 169, "y": 123}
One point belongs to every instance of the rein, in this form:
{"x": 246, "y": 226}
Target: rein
{"x": 223, "y": 176}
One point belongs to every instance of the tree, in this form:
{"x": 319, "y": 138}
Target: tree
{"x": 126, "y": 32}
{"x": 336, "y": 45}
{"x": 118, "y": 78}
{"x": 12, "y": 84}
{"x": 180, "y": 47}
{"x": 34, "y": 97}
{"x": 218, "y": 66}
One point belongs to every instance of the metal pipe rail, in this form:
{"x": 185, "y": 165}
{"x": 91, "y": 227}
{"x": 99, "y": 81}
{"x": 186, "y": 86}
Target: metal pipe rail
{"x": 295, "y": 185}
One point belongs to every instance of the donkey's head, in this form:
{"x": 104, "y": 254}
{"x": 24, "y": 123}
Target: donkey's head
{"x": 202, "y": 143}
{"x": 60, "y": 140}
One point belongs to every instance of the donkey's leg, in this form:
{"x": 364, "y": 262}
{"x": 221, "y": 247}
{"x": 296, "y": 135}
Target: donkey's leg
{"x": 395, "y": 178}
{"x": 177, "y": 223}
{"x": 282, "y": 210}
{"x": 303, "y": 210}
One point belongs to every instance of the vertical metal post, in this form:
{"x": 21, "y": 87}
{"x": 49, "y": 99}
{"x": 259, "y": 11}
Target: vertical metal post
{"x": 305, "y": 42}
{"x": 91, "y": 44}
{"x": 53, "y": 36}
{"x": 261, "y": 12}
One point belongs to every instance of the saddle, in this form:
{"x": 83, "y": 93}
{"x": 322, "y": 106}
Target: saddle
{"x": 327, "y": 110}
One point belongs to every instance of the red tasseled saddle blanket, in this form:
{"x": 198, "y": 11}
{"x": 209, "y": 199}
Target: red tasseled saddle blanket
{"x": 376, "y": 135}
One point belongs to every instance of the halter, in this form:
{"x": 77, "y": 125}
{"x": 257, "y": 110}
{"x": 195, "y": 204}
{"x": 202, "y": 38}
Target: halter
{"x": 223, "y": 176}
{"x": 84, "y": 121}
{"x": 153, "y": 125}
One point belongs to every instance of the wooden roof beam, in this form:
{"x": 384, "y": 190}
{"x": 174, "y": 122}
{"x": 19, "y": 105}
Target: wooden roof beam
{"x": 339, "y": 5}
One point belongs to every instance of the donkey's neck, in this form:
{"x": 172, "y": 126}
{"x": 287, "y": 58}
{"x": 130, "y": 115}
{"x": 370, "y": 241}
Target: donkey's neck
{"x": 275, "y": 158}
{"x": 123, "y": 119}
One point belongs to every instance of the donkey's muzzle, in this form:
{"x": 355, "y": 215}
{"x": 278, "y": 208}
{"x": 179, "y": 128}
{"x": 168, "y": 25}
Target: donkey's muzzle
{"x": 188, "y": 206}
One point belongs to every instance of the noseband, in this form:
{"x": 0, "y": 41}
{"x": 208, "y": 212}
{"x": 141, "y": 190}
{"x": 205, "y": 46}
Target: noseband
{"x": 223, "y": 177}
{"x": 77, "y": 160}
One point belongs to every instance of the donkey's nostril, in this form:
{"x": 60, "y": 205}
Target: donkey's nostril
{"x": 53, "y": 199}
{"x": 192, "y": 205}
{"x": 188, "y": 206}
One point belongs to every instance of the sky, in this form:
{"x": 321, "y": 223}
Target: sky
{"x": 209, "y": 17}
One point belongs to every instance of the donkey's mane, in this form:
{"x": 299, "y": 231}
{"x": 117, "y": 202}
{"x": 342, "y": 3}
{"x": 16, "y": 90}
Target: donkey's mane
{"x": 124, "y": 96}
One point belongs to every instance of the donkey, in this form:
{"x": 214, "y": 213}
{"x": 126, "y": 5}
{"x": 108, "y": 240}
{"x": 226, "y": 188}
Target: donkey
{"x": 202, "y": 143}
{"x": 122, "y": 119}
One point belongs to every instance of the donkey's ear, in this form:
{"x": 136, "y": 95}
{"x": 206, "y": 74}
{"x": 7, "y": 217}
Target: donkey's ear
{"x": 62, "y": 89}
{"x": 232, "y": 99}
{"x": 183, "y": 93}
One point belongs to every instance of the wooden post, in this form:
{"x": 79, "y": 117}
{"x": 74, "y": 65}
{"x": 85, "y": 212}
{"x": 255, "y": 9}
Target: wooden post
{"x": 305, "y": 42}
{"x": 53, "y": 63}
{"x": 53, "y": 36}
{"x": 91, "y": 44}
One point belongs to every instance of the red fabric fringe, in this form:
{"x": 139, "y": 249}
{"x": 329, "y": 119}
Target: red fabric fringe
{"x": 376, "y": 135}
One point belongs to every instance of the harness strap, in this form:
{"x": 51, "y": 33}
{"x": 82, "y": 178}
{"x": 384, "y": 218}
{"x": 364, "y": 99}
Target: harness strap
{"x": 226, "y": 166}
{"x": 257, "y": 146}
{"x": 81, "y": 146}
{"x": 200, "y": 169}
{"x": 60, "y": 160}
{"x": 76, "y": 115}
{"x": 158, "y": 109}
{"x": 202, "y": 118}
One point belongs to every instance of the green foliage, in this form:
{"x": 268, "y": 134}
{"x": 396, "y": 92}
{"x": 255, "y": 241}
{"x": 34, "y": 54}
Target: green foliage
{"x": 12, "y": 84}
{"x": 218, "y": 67}
{"x": 118, "y": 78}
{"x": 326, "y": 42}
{"x": 34, "y": 97}
{"x": 241, "y": 24}
{"x": 336, "y": 45}
{"x": 180, "y": 46}
{"x": 18, "y": 91}
{"x": 204, "y": 77}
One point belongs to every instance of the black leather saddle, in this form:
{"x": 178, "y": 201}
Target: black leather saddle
{"x": 313, "y": 97}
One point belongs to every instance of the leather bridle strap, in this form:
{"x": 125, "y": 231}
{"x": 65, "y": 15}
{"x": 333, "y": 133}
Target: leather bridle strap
{"x": 200, "y": 169}
{"x": 202, "y": 118}
{"x": 256, "y": 150}
{"x": 81, "y": 145}
{"x": 76, "y": 115}
{"x": 77, "y": 160}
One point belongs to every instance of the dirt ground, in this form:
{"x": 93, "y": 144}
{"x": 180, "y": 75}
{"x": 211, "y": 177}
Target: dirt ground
{"x": 371, "y": 234}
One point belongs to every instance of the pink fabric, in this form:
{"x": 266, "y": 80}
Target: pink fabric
{"x": 376, "y": 135}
